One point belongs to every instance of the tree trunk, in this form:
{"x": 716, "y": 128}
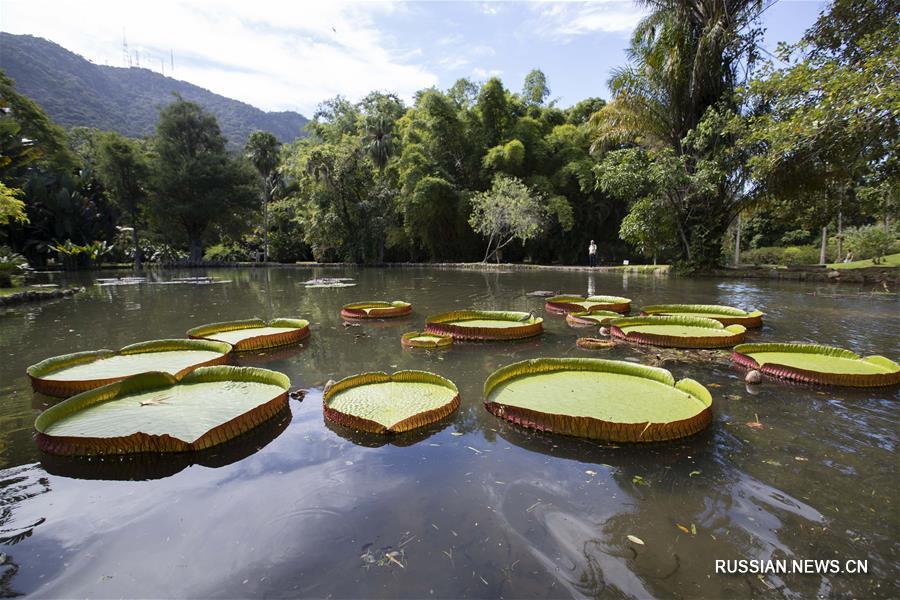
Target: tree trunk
{"x": 196, "y": 250}
{"x": 737, "y": 242}
{"x": 266, "y": 224}
{"x": 840, "y": 225}
{"x": 824, "y": 248}
{"x": 138, "y": 259}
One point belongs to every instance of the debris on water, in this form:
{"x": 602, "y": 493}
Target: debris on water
{"x": 638, "y": 480}
{"x": 692, "y": 473}
{"x": 682, "y": 528}
{"x": 475, "y": 450}
{"x": 328, "y": 385}
{"x": 604, "y": 331}
{"x": 591, "y": 473}
{"x": 455, "y": 433}
{"x": 753, "y": 377}
{"x": 329, "y": 282}
{"x": 541, "y": 293}
{"x": 635, "y": 539}
{"x": 755, "y": 424}
{"x": 297, "y": 395}
{"x": 802, "y": 459}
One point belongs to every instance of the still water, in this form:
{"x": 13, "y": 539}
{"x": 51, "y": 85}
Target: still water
{"x": 473, "y": 506}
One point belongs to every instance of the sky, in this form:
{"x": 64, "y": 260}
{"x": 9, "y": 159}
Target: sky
{"x": 293, "y": 55}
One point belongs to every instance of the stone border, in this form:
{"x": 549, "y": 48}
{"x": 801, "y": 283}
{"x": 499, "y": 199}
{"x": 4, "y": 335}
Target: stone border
{"x": 38, "y": 295}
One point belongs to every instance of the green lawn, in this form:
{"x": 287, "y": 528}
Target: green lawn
{"x": 891, "y": 260}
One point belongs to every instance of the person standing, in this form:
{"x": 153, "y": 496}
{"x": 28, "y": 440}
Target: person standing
{"x": 592, "y": 254}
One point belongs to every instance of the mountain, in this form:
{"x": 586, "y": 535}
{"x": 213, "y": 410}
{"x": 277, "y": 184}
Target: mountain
{"x": 75, "y": 91}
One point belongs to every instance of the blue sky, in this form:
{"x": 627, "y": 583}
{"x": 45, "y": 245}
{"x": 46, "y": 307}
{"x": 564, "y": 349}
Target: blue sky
{"x": 292, "y": 55}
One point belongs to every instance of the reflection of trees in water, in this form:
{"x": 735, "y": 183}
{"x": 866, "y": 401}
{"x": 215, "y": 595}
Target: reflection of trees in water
{"x": 16, "y": 486}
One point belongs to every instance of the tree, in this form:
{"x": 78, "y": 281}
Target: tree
{"x": 535, "y": 90}
{"x": 379, "y": 141}
{"x": 262, "y": 149}
{"x": 687, "y": 57}
{"x": 508, "y": 211}
{"x": 124, "y": 171}
{"x": 197, "y": 184}
{"x": 824, "y": 129}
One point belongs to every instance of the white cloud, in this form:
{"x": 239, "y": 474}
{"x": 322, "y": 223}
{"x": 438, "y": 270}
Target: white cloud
{"x": 565, "y": 20}
{"x": 274, "y": 55}
{"x": 490, "y": 8}
{"x": 486, "y": 73}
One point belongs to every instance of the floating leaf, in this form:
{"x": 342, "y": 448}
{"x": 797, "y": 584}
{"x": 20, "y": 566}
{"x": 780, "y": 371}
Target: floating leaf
{"x": 726, "y": 315}
{"x": 635, "y": 539}
{"x": 813, "y": 363}
{"x": 253, "y": 334}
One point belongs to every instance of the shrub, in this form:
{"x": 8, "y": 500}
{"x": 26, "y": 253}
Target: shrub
{"x": 871, "y": 241}
{"x": 774, "y": 255}
{"x": 12, "y": 265}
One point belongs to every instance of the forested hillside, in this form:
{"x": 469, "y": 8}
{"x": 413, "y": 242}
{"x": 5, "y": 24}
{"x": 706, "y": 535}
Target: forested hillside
{"x": 76, "y": 92}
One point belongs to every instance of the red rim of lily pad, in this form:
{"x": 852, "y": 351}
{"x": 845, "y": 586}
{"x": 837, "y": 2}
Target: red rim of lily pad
{"x": 299, "y": 331}
{"x": 376, "y": 309}
{"x": 453, "y": 324}
{"x": 63, "y": 388}
{"x": 742, "y": 355}
{"x": 572, "y": 303}
{"x": 734, "y": 334}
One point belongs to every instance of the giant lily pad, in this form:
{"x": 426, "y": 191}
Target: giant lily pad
{"x": 423, "y": 339}
{"x": 812, "y": 363}
{"x": 71, "y": 374}
{"x": 382, "y": 403}
{"x": 376, "y": 309}
{"x": 600, "y": 399}
{"x": 156, "y": 412}
{"x": 591, "y": 319}
{"x": 571, "y": 303}
{"x": 726, "y": 315}
{"x": 677, "y": 332}
{"x": 485, "y": 325}
{"x": 253, "y": 334}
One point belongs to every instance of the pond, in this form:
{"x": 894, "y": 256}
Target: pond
{"x": 473, "y": 506}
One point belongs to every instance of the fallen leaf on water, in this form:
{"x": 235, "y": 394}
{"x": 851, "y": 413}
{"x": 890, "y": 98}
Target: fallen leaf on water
{"x": 635, "y": 539}
{"x": 800, "y": 458}
{"x": 692, "y": 473}
{"x": 754, "y": 424}
{"x": 455, "y": 433}
{"x": 591, "y": 473}
{"x": 693, "y": 529}
{"x": 682, "y": 527}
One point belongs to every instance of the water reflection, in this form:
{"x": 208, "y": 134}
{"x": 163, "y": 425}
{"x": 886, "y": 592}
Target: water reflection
{"x": 483, "y": 508}
{"x": 372, "y": 440}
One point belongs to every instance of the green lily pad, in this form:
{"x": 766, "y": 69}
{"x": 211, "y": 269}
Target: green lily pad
{"x": 485, "y": 325}
{"x": 155, "y": 412}
{"x": 382, "y": 403}
{"x": 726, "y": 315}
{"x": 253, "y": 334}
{"x": 585, "y": 319}
{"x": 421, "y": 339}
{"x": 574, "y": 303}
{"x": 70, "y": 374}
{"x": 677, "y": 332}
{"x": 814, "y": 363}
{"x": 376, "y": 309}
{"x": 601, "y": 399}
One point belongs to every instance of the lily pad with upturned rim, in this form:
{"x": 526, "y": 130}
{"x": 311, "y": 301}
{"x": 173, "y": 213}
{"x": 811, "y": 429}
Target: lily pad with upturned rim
{"x": 485, "y": 325}
{"x": 376, "y": 309}
{"x": 381, "y": 403}
{"x": 591, "y": 319}
{"x": 599, "y": 399}
{"x": 253, "y": 334}
{"x": 726, "y": 315}
{"x": 70, "y": 374}
{"x": 677, "y": 332}
{"x": 814, "y": 363}
{"x": 423, "y": 339}
{"x": 156, "y": 412}
{"x": 574, "y": 303}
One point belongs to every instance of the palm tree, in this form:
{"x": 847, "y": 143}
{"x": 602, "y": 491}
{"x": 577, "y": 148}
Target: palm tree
{"x": 262, "y": 149}
{"x": 378, "y": 142}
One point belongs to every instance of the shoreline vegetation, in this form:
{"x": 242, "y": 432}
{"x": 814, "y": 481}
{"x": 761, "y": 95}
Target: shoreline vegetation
{"x": 704, "y": 155}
